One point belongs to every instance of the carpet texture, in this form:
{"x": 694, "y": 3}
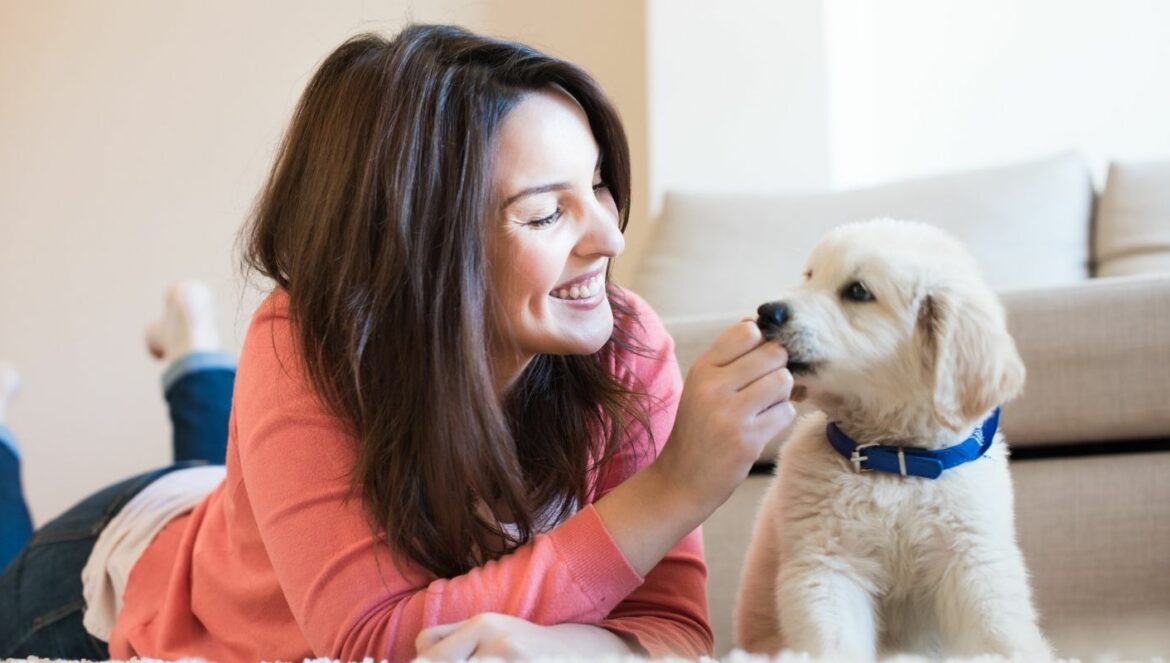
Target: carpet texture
{"x": 734, "y": 657}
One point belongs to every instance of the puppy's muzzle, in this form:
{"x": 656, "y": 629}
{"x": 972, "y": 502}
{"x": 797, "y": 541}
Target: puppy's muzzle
{"x": 772, "y": 316}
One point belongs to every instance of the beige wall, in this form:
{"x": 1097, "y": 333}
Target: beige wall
{"x": 737, "y": 96}
{"x": 920, "y": 86}
{"x": 133, "y": 138}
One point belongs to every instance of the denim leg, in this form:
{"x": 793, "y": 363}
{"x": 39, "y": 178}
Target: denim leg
{"x": 15, "y": 521}
{"x": 41, "y": 600}
{"x": 198, "y": 389}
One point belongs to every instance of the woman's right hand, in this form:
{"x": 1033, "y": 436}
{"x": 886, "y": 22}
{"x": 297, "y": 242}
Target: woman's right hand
{"x": 734, "y": 400}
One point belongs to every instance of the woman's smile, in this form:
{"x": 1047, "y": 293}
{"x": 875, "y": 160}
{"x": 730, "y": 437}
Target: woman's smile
{"x": 583, "y": 292}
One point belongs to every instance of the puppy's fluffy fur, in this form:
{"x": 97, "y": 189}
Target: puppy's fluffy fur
{"x": 856, "y": 565}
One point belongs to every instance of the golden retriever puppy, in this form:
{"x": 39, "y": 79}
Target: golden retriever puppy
{"x": 888, "y": 527}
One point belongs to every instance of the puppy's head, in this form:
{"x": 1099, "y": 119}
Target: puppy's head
{"x": 894, "y": 319}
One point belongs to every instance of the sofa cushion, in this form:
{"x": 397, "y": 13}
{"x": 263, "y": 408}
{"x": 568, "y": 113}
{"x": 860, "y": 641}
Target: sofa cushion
{"x": 1132, "y": 231}
{"x": 1098, "y": 360}
{"x": 1027, "y": 224}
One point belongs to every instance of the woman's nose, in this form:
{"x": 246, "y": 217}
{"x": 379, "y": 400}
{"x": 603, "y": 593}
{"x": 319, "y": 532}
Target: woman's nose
{"x": 602, "y": 235}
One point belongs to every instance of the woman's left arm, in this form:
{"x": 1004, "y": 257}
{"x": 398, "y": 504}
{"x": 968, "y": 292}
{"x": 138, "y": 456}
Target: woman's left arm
{"x": 667, "y": 613}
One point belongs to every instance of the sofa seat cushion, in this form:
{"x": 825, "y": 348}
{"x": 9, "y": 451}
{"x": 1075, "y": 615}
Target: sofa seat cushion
{"x": 1095, "y": 532}
{"x": 1028, "y": 225}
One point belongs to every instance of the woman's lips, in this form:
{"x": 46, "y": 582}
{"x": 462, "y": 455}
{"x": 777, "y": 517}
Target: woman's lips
{"x": 587, "y": 303}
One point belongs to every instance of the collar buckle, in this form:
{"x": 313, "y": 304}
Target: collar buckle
{"x": 856, "y": 458}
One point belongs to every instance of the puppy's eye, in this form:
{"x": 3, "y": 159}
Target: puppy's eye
{"x": 808, "y": 275}
{"x": 857, "y": 292}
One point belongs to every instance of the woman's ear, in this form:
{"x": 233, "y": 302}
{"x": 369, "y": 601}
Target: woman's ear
{"x": 972, "y": 358}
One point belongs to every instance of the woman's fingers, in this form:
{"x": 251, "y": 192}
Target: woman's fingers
{"x": 735, "y": 341}
{"x": 770, "y": 389}
{"x": 741, "y": 356}
{"x": 765, "y": 359}
{"x": 448, "y": 642}
{"x": 777, "y": 417}
{"x": 500, "y": 648}
{"x": 429, "y": 636}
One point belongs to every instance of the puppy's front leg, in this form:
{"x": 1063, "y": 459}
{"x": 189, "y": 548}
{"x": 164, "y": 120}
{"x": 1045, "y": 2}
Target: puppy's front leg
{"x": 826, "y": 611}
{"x": 984, "y": 606}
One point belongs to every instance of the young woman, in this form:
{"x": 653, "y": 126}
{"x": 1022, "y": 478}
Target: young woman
{"x": 451, "y": 433}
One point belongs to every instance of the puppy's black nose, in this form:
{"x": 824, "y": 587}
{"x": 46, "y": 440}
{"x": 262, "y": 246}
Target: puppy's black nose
{"x": 773, "y": 315}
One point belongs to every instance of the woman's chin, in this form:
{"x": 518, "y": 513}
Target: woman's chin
{"x": 587, "y": 343}
{"x": 583, "y": 346}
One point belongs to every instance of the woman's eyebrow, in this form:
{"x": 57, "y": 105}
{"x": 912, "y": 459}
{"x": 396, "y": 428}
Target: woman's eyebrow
{"x": 544, "y": 188}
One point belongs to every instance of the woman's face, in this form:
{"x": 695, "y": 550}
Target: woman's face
{"x": 555, "y": 230}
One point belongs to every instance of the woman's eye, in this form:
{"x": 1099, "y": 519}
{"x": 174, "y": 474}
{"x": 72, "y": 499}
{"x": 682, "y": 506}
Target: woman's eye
{"x": 544, "y": 221}
{"x": 857, "y": 292}
{"x": 599, "y": 187}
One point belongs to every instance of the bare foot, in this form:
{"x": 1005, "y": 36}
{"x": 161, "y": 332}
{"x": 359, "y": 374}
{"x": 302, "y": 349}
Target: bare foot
{"x": 9, "y": 387}
{"x": 188, "y": 322}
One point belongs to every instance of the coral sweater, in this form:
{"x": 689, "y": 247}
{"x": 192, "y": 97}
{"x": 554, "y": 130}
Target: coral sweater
{"x": 276, "y": 564}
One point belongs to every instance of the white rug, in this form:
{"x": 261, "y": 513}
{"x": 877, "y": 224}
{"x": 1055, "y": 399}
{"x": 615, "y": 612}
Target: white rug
{"x": 733, "y": 657}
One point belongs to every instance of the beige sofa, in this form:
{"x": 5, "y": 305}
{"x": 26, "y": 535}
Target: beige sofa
{"x": 1085, "y": 279}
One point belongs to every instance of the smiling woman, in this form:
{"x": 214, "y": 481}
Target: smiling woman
{"x": 449, "y": 434}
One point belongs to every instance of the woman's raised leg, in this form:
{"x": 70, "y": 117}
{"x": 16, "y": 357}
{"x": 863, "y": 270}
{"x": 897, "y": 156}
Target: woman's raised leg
{"x": 198, "y": 382}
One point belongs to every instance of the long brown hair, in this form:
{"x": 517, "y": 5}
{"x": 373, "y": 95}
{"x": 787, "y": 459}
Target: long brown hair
{"x": 374, "y": 221}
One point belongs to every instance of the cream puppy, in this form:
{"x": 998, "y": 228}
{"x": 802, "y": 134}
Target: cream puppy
{"x": 857, "y": 552}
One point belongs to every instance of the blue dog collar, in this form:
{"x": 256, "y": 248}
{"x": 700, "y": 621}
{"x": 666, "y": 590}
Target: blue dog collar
{"x": 914, "y": 462}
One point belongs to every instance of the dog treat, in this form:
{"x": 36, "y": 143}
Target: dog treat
{"x": 799, "y": 391}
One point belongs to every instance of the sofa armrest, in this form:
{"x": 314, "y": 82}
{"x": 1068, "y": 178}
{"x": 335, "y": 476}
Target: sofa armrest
{"x": 1098, "y": 360}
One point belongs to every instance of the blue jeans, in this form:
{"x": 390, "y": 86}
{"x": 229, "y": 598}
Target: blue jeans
{"x": 41, "y": 604}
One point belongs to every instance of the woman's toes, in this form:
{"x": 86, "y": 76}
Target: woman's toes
{"x": 188, "y": 322}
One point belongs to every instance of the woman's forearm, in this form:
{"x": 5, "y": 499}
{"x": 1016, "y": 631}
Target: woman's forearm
{"x": 647, "y": 515}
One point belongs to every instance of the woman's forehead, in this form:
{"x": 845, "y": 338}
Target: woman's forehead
{"x": 544, "y": 138}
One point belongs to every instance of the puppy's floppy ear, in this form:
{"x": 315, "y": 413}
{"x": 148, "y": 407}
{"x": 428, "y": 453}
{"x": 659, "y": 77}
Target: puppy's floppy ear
{"x": 972, "y": 357}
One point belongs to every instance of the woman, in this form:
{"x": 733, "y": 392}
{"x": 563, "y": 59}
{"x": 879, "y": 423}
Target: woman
{"x": 449, "y": 433}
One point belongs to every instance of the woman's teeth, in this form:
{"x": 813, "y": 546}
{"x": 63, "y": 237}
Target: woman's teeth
{"x": 582, "y": 290}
